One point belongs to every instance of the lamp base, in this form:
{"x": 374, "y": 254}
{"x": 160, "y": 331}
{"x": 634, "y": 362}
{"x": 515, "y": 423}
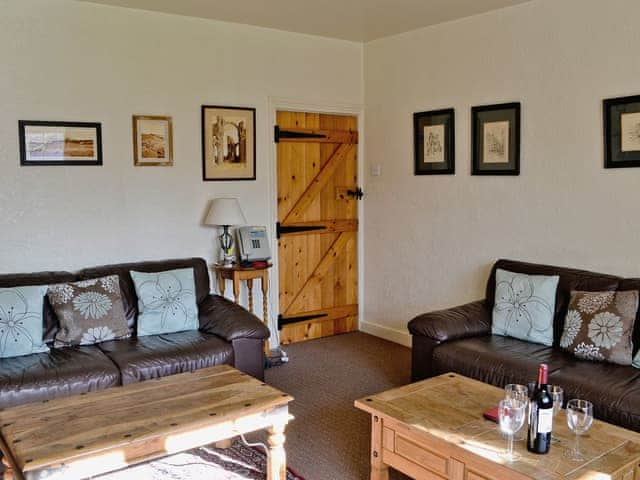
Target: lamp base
{"x": 227, "y": 260}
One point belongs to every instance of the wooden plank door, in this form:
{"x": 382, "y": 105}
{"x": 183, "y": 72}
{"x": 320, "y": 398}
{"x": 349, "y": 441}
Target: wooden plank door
{"x": 317, "y": 224}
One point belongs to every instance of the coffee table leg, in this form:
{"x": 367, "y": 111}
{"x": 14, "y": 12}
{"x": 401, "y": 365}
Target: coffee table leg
{"x": 276, "y": 458}
{"x": 8, "y": 470}
{"x": 379, "y": 471}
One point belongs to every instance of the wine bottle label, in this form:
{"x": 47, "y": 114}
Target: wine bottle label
{"x": 545, "y": 420}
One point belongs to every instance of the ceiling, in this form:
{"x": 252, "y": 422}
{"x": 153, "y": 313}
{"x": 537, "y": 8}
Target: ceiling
{"x": 357, "y": 20}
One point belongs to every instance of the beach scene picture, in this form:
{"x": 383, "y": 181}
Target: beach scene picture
{"x": 153, "y": 142}
{"x": 50, "y": 143}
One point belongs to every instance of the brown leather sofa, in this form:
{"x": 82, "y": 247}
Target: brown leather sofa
{"x": 228, "y": 334}
{"x": 460, "y": 340}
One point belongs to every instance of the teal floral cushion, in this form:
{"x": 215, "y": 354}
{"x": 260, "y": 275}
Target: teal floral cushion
{"x": 524, "y": 306}
{"x": 636, "y": 360}
{"x": 166, "y": 301}
{"x": 21, "y": 322}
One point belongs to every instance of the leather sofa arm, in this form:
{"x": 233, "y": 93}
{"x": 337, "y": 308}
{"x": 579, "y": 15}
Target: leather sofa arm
{"x": 470, "y": 320}
{"x": 228, "y": 320}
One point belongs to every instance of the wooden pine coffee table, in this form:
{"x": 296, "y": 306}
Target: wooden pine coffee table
{"x": 434, "y": 430}
{"x": 89, "y": 434}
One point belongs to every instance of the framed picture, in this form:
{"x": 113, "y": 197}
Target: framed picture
{"x": 152, "y": 141}
{"x": 622, "y": 132}
{"x": 495, "y": 131}
{"x": 60, "y": 143}
{"x": 434, "y": 142}
{"x": 228, "y": 143}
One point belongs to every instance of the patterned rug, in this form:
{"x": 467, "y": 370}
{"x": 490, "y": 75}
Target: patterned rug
{"x": 239, "y": 462}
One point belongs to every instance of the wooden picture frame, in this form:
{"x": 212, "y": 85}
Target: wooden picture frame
{"x": 434, "y": 142}
{"x": 228, "y": 143}
{"x": 152, "y": 141}
{"x": 495, "y": 133}
{"x": 621, "y": 132}
{"x": 59, "y": 143}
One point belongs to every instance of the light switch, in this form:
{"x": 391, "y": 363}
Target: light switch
{"x": 376, "y": 170}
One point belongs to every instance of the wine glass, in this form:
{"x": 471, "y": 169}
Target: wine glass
{"x": 557, "y": 394}
{"x": 518, "y": 392}
{"x": 511, "y": 413}
{"x": 579, "y": 420}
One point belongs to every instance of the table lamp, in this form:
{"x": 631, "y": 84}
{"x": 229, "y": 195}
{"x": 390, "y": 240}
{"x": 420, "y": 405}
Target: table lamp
{"x": 225, "y": 212}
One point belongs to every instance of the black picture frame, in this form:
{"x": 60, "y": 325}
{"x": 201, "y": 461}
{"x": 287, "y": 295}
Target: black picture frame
{"x": 443, "y": 153}
{"x": 251, "y": 133}
{"x": 27, "y": 157}
{"x": 617, "y": 154}
{"x": 505, "y": 161}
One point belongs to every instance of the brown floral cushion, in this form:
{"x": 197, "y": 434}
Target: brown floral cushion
{"x": 599, "y": 326}
{"x": 88, "y": 312}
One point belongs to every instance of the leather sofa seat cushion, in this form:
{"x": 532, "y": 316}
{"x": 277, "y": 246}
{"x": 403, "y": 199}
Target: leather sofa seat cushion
{"x": 61, "y": 372}
{"x": 613, "y": 389}
{"x": 155, "y": 356}
{"x": 497, "y": 360}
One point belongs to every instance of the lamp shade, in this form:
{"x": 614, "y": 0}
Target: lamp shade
{"x": 225, "y": 211}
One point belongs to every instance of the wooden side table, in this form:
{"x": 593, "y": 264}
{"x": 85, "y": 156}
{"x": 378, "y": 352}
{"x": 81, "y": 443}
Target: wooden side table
{"x": 236, "y": 274}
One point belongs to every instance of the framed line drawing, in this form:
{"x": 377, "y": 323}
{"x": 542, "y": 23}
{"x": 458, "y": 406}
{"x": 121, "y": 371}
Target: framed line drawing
{"x": 495, "y": 132}
{"x": 59, "y": 143}
{"x": 228, "y": 143}
{"x": 622, "y": 132}
{"x": 434, "y": 142}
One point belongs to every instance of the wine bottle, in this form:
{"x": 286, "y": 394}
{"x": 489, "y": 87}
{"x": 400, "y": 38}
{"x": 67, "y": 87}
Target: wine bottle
{"x": 540, "y": 414}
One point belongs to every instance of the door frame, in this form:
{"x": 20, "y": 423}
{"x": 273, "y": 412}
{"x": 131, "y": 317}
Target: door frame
{"x": 291, "y": 105}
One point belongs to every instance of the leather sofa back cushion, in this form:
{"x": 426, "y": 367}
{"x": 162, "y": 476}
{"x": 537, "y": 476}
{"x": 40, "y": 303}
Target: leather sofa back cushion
{"x": 570, "y": 279}
{"x": 129, "y": 297}
{"x": 40, "y": 278}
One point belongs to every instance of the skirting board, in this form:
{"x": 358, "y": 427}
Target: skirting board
{"x": 392, "y": 334}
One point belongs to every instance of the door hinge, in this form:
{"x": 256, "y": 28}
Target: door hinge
{"x": 296, "y": 228}
{"x": 282, "y": 321}
{"x": 279, "y": 133}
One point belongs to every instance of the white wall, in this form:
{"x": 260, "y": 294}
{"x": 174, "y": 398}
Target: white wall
{"x": 65, "y": 60}
{"x": 432, "y": 239}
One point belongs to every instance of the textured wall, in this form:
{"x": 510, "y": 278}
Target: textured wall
{"x": 431, "y": 239}
{"x": 65, "y": 60}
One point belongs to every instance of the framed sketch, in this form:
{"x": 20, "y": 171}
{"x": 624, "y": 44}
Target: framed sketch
{"x": 228, "y": 143}
{"x": 60, "y": 143}
{"x": 434, "y": 142}
{"x": 152, "y": 141}
{"x": 495, "y": 131}
{"x": 622, "y": 132}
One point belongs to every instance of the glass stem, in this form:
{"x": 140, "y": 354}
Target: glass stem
{"x": 577, "y": 445}
{"x": 510, "y": 445}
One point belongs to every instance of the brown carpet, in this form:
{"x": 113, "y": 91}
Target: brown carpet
{"x": 329, "y": 438}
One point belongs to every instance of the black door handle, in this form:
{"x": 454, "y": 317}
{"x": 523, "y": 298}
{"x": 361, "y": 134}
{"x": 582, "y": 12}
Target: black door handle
{"x": 357, "y": 193}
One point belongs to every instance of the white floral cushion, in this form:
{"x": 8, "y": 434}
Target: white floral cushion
{"x": 21, "y": 321}
{"x": 166, "y": 301}
{"x": 524, "y": 306}
{"x": 599, "y": 326}
{"x": 89, "y": 311}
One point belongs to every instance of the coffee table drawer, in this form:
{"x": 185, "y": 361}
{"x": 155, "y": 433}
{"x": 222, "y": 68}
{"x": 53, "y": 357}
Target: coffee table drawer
{"x": 405, "y": 449}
